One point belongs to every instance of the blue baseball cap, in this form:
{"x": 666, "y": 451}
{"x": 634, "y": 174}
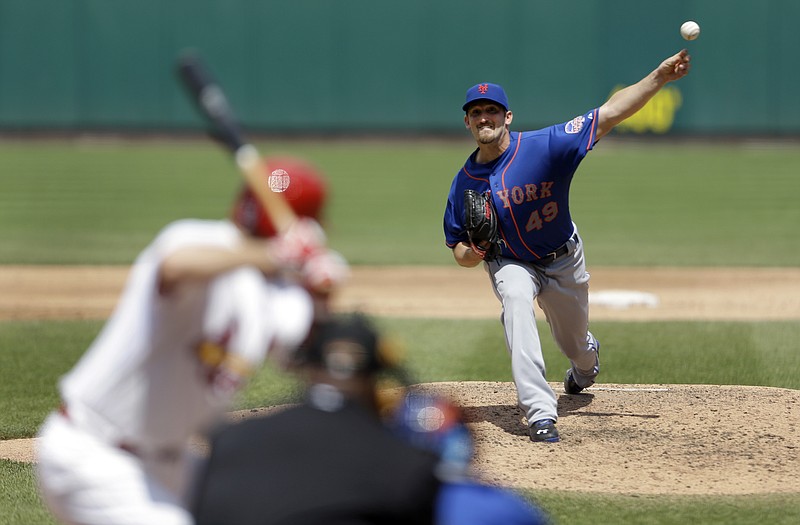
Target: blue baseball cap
{"x": 486, "y": 91}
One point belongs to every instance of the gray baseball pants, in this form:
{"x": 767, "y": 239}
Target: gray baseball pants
{"x": 562, "y": 291}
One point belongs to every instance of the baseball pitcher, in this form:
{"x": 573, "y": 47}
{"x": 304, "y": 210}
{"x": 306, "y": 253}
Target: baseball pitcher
{"x": 508, "y": 208}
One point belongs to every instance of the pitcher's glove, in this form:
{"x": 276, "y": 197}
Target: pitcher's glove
{"x": 480, "y": 221}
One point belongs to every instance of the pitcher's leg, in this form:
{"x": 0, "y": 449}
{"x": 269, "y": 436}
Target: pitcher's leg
{"x": 517, "y": 288}
{"x": 565, "y": 301}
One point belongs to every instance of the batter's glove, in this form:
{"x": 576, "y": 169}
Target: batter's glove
{"x": 304, "y": 238}
{"x": 324, "y": 271}
{"x": 480, "y": 220}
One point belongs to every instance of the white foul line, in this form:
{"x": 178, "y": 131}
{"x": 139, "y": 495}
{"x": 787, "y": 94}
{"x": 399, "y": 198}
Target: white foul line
{"x": 609, "y": 389}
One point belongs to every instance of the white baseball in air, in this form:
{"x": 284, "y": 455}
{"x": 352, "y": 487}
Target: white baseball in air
{"x": 690, "y": 30}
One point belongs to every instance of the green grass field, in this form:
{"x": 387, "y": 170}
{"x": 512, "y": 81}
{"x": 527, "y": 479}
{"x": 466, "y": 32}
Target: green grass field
{"x": 635, "y": 204}
{"x": 83, "y": 202}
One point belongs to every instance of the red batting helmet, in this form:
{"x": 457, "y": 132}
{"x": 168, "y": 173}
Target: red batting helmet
{"x": 299, "y": 182}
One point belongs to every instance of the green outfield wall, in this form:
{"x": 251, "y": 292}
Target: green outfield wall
{"x": 370, "y": 65}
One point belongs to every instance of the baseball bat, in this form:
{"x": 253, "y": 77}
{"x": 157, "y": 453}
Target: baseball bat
{"x": 211, "y": 101}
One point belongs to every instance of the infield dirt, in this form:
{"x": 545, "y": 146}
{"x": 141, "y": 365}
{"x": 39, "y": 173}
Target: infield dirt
{"x": 636, "y": 439}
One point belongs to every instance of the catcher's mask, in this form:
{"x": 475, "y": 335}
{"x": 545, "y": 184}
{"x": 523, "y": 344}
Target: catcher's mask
{"x": 347, "y": 346}
{"x": 299, "y": 182}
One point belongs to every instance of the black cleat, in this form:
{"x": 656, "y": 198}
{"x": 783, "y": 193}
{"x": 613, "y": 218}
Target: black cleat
{"x": 545, "y": 431}
{"x": 570, "y": 386}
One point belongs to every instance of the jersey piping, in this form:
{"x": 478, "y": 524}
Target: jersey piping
{"x": 511, "y": 212}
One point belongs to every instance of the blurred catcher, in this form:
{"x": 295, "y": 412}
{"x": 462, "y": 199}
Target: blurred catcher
{"x": 334, "y": 460}
{"x": 203, "y": 306}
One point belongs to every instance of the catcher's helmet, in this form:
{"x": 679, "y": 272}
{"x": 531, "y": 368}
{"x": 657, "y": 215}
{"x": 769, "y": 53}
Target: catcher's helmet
{"x": 299, "y": 182}
{"x": 345, "y": 346}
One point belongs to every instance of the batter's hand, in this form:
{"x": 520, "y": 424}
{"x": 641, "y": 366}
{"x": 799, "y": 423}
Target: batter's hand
{"x": 324, "y": 271}
{"x": 304, "y": 238}
{"x": 675, "y": 67}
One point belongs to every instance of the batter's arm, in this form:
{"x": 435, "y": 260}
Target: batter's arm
{"x": 203, "y": 263}
{"x": 631, "y": 99}
{"x": 465, "y": 256}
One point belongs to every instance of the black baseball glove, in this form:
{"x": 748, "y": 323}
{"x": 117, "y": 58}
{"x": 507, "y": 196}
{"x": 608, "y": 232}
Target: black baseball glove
{"x": 480, "y": 220}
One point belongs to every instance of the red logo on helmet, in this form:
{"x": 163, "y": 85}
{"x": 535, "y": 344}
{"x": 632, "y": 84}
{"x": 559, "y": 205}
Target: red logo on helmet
{"x": 483, "y": 88}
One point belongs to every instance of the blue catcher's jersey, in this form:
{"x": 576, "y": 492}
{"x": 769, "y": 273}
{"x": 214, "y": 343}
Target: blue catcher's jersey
{"x": 530, "y": 185}
{"x": 471, "y": 503}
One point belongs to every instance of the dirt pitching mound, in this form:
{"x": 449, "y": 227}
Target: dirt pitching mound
{"x": 640, "y": 439}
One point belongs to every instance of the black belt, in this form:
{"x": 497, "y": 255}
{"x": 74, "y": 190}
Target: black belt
{"x": 559, "y": 252}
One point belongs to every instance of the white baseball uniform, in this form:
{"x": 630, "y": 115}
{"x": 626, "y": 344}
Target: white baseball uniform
{"x": 164, "y": 367}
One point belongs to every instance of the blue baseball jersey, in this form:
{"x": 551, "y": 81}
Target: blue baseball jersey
{"x": 529, "y": 184}
{"x": 471, "y": 503}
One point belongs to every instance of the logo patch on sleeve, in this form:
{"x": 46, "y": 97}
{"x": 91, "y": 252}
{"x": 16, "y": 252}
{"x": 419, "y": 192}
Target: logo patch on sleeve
{"x": 575, "y": 125}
